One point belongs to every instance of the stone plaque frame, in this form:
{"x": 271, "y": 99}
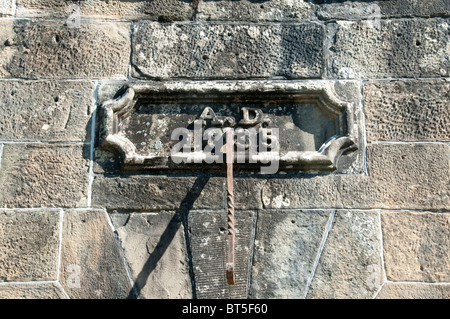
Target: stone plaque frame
{"x": 341, "y": 152}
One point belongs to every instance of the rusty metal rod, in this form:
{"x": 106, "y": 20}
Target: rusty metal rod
{"x": 230, "y": 204}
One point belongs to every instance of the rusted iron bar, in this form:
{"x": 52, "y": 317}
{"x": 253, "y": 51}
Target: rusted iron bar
{"x": 230, "y": 205}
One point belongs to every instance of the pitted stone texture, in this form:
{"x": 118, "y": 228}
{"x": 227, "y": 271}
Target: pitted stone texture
{"x": 250, "y": 10}
{"x": 401, "y": 176}
{"x": 31, "y": 291}
{"x": 199, "y": 50}
{"x": 208, "y": 241}
{"x": 92, "y": 264}
{"x": 162, "y": 10}
{"x": 29, "y": 245}
{"x": 351, "y": 262}
{"x": 55, "y": 49}
{"x": 416, "y": 246}
{"x": 393, "y": 290}
{"x": 45, "y": 110}
{"x": 373, "y": 10}
{"x": 392, "y": 48}
{"x": 155, "y": 249}
{"x": 159, "y": 193}
{"x": 7, "y": 8}
{"x": 44, "y": 175}
{"x": 407, "y": 110}
{"x": 286, "y": 246}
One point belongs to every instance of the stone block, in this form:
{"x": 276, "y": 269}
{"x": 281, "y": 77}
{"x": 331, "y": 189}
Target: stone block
{"x": 155, "y": 248}
{"x": 415, "y": 110}
{"x": 248, "y": 10}
{"x": 405, "y": 176}
{"x": 219, "y": 50}
{"x": 62, "y": 50}
{"x": 159, "y": 192}
{"x": 44, "y": 175}
{"x": 92, "y": 265}
{"x": 401, "y": 176}
{"x": 390, "y": 49}
{"x": 208, "y": 241}
{"x": 31, "y": 291}
{"x": 7, "y": 8}
{"x": 45, "y": 110}
{"x": 394, "y": 290}
{"x": 351, "y": 262}
{"x": 29, "y": 245}
{"x": 286, "y": 247}
{"x": 416, "y": 246}
{"x": 161, "y": 10}
{"x": 373, "y": 10}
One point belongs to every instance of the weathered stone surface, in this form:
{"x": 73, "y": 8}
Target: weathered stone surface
{"x": 401, "y": 176}
{"x": 31, "y": 291}
{"x": 248, "y": 10}
{"x": 199, "y": 50}
{"x": 45, "y": 110}
{"x": 162, "y": 10}
{"x": 286, "y": 247}
{"x": 159, "y": 192}
{"x": 7, "y": 8}
{"x": 92, "y": 265}
{"x": 406, "y": 175}
{"x": 305, "y": 192}
{"x": 373, "y": 10}
{"x": 407, "y": 110}
{"x": 392, "y": 48}
{"x": 208, "y": 241}
{"x": 392, "y": 290}
{"x": 351, "y": 262}
{"x": 416, "y": 246}
{"x": 57, "y": 49}
{"x": 44, "y": 175}
{"x": 29, "y": 245}
{"x": 247, "y": 192}
{"x": 155, "y": 249}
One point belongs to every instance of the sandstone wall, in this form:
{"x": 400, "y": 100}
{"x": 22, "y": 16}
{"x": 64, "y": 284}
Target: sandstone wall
{"x": 72, "y": 225}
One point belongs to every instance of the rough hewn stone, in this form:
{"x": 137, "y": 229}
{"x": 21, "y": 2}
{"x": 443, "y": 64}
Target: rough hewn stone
{"x": 155, "y": 249}
{"x": 393, "y": 48}
{"x": 372, "y": 10}
{"x": 351, "y": 262}
{"x": 162, "y": 10}
{"x": 45, "y": 110}
{"x": 31, "y": 291}
{"x": 159, "y": 193}
{"x": 416, "y": 246}
{"x": 208, "y": 241}
{"x": 407, "y": 110}
{"x": 92, "y": 265}
{"x": 248, "y": 10}
{"x": 29, "y": 245}
{"x": 44, "y": 175}
{"x": 7, "y": 8}
{"x": 406, "y": 175}
{"x": 286, "y": 247}
{"x": 393, "y": 290}
{"x": 56, "y": 49}
{"x": 401, "y": 176}
{"x": 199, "y": 50}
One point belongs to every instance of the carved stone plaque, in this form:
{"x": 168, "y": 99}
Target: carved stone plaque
{"x": 301, "y": 126}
